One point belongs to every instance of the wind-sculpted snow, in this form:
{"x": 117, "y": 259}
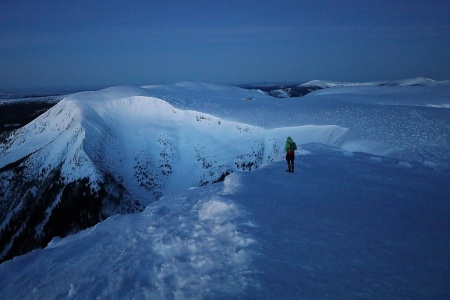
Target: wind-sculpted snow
{"x": 185, "y": 247}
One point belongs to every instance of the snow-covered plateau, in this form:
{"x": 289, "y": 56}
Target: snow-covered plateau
{"x": 180, "y": 192}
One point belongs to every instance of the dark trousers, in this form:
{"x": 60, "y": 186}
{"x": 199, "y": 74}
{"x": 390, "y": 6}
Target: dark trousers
{"x": 290, "y": 161}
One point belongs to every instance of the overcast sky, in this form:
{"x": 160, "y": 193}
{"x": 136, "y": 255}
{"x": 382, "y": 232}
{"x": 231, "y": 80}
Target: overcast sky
{"x": 57, "y": 45}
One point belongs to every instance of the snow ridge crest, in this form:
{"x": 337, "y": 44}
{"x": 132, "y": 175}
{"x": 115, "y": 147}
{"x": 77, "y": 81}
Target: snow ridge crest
{"x": 116, "y": 151}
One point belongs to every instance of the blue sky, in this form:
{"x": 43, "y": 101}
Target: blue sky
{"x": 50, "y": 45}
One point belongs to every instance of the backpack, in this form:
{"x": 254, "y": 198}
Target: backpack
{"x": 293, "y": 146}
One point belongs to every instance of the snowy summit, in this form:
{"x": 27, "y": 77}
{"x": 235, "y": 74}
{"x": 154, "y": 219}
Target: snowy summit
{"x": 180, "y": 192}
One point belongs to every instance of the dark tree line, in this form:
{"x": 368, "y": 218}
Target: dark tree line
{"x": 79, "y": 207}
{"x": 16, "y": 114}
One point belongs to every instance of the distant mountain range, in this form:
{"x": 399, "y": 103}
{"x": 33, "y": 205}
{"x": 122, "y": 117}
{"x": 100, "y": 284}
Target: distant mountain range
{"x": 299, "y": 90}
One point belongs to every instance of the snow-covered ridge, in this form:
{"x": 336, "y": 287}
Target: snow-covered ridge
{"x": 420, "y": 81}
{"x": 97, "y": 154}
{"x": 93, "y": 132}
{"x": 296, "y": 90}
{"x": 123, "y": 148}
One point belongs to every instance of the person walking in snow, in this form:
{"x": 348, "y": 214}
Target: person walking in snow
{"x": 290, "y": 148}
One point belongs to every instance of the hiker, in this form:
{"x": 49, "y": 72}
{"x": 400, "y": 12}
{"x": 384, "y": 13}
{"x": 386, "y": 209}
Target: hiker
{"x": 290, "y": 153}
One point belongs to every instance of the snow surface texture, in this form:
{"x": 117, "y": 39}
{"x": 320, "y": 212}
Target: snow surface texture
{"x": 345, "y": 225}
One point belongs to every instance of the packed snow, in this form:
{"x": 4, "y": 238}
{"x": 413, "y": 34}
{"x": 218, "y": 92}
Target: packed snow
{"x": 364, "y": 216}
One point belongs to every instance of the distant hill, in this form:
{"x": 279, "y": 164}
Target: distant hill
{"x": 283, "y": 91}
{"x": 299, "y": 90}
{"x": 19, "y": 110}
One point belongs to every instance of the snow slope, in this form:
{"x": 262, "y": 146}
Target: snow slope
{"x": 409, "y": 123}
{"x": 344, "y": 226}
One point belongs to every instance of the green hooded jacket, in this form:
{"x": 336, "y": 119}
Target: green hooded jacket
{"x": 289, "y": 142}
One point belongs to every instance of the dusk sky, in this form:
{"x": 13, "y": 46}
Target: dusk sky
{"x": 75, "y": 45}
